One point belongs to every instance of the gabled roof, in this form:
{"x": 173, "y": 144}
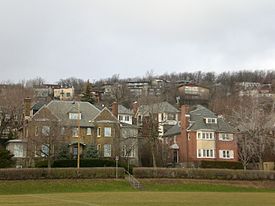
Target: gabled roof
{"x": 124, "y": 110}
{"x": 162, "y": 107}
{"x": 62, "y": 109}
{"x": 198, "y": 117}
{"x": 175, "y": 130}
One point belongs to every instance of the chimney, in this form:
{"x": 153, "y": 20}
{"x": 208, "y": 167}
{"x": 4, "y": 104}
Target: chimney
{"x": 27, "y": 107}
{"x": 184, "y": 117}
{"x": 135, "y": 107}
{"x": 115, "y": 109}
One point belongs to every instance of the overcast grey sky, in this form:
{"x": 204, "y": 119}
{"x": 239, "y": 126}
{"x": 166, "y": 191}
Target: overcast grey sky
{"x": 94, "y": 39}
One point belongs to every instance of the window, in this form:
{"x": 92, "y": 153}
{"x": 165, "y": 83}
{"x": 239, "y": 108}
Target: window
{"x": 171, "y": 117}
{"x": 107, "y": 131}
{"x": 205, "y": 135}
{"x": 99, "y": 132}
{"x": 225, "y": 137}
{"x": 89, "y": 131}
{"x": 46, "y": 130}
{"x": 18, "y": 150}
{"x": 127, "y": 118}
{"x": 226, "y": 154}
{"x": 74, "y": 116}
{"x": 120, "y": 118}
{"x": 68, "y": 94}
{"x": 75, "y": 132}
{"x": 205, "y": 153}
{"x": 44, "y": 150}
{"x": 211, "y": 120}
{"x": 75, "y": 151}
{"x": 36, "y": 131}
{"x": 107, "y": 150}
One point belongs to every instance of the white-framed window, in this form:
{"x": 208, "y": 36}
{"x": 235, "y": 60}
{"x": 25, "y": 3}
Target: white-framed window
{"x": 107, "y": 131}
{"x": 46, "y": 130}
{"x": 74, "y": 116}
{"x": 120, "y": 117}
{"x": 211, "y": 120}
{"x": 75, "y": 132}
{"x": 18, "y": 150}
{"x": 225, "y": 137}
{"x": 205, "y": 153}
{"x": 226, "y": 154}
{"x": 89, "y": 131}
{"x": 107, "y": 150}
{"x": 98, "y": 132}
{"x": 205, "y": 135}
{"x": 127, "y": 118}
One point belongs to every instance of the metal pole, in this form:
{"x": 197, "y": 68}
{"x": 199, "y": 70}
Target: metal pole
{"x": 116, "y": 167}
{"x": 78, "y": 142}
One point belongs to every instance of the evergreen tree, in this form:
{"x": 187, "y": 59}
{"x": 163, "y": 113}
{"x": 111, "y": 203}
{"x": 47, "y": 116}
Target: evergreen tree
{"x": 87, "y": 95}
{"x": 5, "y": 158}
{"x": 64, "y": 153}
{"x": 90, "y": 152}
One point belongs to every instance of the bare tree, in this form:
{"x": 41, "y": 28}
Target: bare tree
{"x": 11, "y": 108}
{"x": 253, "y": 122}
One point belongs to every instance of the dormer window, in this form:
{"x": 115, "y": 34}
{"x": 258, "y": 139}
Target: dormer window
{"x": 74, "y": 116}
{"x": 211, "y": 120}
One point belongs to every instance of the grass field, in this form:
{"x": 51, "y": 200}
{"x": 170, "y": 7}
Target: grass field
{"x": 118, "y": 192}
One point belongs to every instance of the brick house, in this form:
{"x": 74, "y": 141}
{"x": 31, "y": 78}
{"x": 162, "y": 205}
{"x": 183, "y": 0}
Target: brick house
{"x": 201, "y": 135}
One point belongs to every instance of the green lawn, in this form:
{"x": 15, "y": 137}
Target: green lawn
{"x": 141, "y": 198}
{"x": 118, "y": 192}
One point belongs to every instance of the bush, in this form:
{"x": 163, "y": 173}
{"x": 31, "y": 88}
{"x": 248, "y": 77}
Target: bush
{"x": 60, "y": 173}
{"x": 83, "y": 163}
{"x": 224, "y": 174}
{"x": 221, "y": 164}
{"x": 5, "y": 158}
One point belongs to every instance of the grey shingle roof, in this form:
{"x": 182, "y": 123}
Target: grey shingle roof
{"x": 197, "y": 121}
{"x": 175, "y": 130}
{"x": 62, "y": 109}
{"x": 162, "y": 107}
{"x": 124, "y": 110}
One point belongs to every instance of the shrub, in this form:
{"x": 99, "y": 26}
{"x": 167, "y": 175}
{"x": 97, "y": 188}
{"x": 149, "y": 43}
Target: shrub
{"x": 60, "y": 173}
{"x": 5, "y": 158}
{"x": 83, "y": 163}
{"x": 221, "y": 164}
{"x": 224, "y": 174}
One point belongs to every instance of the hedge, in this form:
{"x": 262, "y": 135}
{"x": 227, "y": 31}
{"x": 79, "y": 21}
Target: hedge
{"x": 220, "y": 164}
{"x": 60, "y": 173}
{"x": 83, "y": 163}
{"x": 224, "y": 174}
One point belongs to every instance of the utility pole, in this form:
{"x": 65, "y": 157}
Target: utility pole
{"x": 78, "y": 142}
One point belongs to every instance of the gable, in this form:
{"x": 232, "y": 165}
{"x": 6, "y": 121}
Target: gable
{"x": 44, "y": 114}
{"x": 105, "y": 115}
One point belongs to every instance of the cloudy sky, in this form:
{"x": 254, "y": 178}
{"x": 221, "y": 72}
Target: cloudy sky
{"x": 94, "y": 39}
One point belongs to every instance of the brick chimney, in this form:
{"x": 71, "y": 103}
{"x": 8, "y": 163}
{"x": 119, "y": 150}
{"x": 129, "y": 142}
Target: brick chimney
{"x": 27, "y": 107}
{"x": 184, "y": 121}
{"x": 115, "y": 109}
{"x": 184, "y": 118}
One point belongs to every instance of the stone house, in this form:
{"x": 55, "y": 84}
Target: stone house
{"x": 62, "y": 123}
